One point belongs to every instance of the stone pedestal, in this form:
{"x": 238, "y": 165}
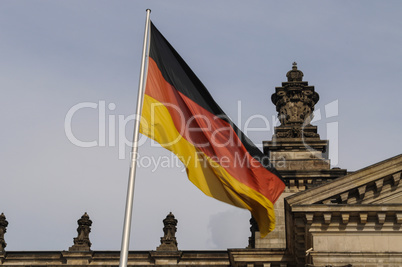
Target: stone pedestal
{"x": 165, "y": 257}
{"x": 296, "y": 151}
{"x": 77, "y": 258}
{"x": 2, "y": 257}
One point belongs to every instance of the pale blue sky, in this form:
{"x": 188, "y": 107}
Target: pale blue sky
{"x": 56, "y": 54}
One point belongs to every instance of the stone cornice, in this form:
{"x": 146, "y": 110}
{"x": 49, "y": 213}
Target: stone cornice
{"x": 389, "y": 167}
{"x": 336, "y": 217}
{"x": 111, "y": 258}
{"x": 346, "y": 208}
{"x": 356, "y": 258}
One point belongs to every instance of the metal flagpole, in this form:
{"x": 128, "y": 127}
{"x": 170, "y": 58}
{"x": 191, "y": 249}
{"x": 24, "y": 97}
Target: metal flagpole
{"x": 131, "y": 180}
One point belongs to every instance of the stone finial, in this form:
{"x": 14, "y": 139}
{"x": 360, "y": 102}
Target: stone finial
{"x": 295, "y": 101}
{"x": 81, "y": 242}
{"x": 168, "y": 241}
{"x": 3, "y": 230}
{"x": 253, "y": 228}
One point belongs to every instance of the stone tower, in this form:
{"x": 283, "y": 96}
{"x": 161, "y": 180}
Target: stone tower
{"x": 296, "y": 150}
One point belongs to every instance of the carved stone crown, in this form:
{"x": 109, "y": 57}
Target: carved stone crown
{"x": 295, "y": 100}
{"x": 85, "y": 221}
{"x": 294, "y": 74}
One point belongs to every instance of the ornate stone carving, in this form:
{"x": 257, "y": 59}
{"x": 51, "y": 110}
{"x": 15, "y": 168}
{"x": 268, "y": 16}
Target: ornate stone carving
{"x": 168, "y": 241}
{"x": 296, "y": 132}
{"x": 3, "y": 230}
{"x": 81, "y": 242}
{"x": 294, "y": 103}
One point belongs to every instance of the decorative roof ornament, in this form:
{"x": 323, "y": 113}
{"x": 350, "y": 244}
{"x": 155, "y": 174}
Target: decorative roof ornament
{"x": 168, "y": 241}
{"x": 295, "y": 101}
{"x": 253, "y": 228}
{"x": 3, "y": 230}
{"x": 81, "y": 242}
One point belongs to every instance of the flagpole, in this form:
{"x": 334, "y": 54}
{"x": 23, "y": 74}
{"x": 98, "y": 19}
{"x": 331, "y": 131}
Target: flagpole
{"x": 134, "y": 150}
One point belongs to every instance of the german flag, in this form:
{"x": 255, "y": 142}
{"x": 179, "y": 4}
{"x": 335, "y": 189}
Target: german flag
{"x": 181, "y": 115}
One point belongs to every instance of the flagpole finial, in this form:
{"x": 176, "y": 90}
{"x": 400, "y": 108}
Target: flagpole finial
{"x": 148, "y": 10}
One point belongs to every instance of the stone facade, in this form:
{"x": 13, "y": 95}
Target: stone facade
{"x": 325, "y": 217}
{"x": 353, "y": 220}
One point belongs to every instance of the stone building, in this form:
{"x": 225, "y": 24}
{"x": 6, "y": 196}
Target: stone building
{"x": 325, "y": 217}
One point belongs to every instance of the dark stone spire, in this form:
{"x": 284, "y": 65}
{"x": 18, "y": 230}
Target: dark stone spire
{"x": 168, "y": 241}
{"x": 3, "y": 230}
{"x": 295, "y": 101}
{"x": 81, "y": 242}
